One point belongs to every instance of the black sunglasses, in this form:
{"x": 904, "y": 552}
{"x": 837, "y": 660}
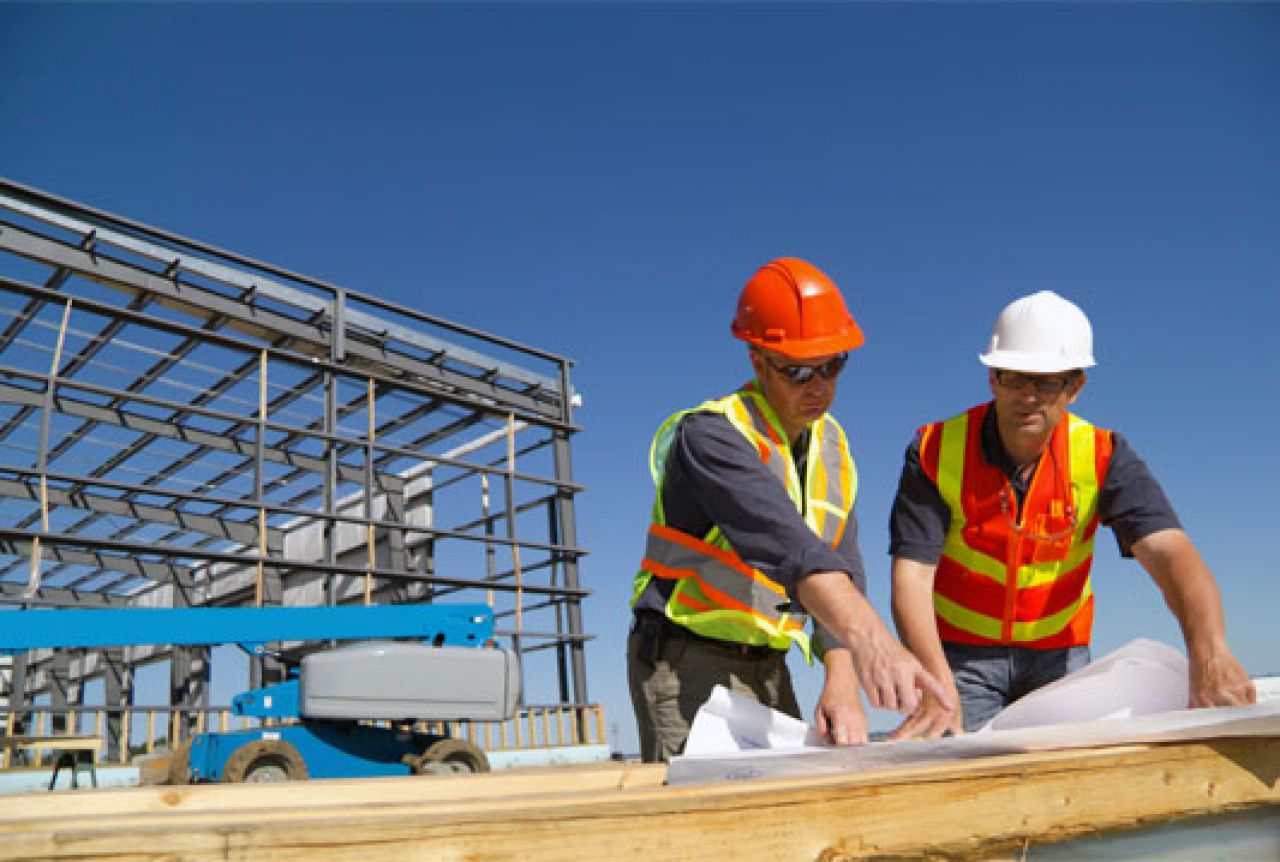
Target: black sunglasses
{"x": 802, "y": 374}
{"x": 1045, "y": 384}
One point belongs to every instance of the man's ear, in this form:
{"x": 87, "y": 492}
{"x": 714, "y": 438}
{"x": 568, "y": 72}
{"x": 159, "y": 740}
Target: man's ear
{"x": 1076, "y": 386}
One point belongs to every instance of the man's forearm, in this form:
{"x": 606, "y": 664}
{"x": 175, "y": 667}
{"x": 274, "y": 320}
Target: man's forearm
{"x": 913, "y": 613}
{"x": 1188, "y": 587}
{"x": 833, "y": 599}
{"x": 890, "y": 675}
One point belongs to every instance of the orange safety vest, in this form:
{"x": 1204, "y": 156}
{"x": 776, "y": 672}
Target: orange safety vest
{"x": 716, "y": 593}
{"x": 1013, "y": 575}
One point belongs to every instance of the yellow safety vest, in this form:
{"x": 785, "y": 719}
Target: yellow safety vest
{"x": 717, "y": 594}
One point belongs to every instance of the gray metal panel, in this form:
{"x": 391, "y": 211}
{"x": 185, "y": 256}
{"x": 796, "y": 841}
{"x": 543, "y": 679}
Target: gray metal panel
{"x": 410, "y": 681}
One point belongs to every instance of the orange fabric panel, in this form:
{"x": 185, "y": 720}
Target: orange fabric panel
{"x": 968, "y": 589}
{"x": 1076, "y": 633}
{"x": 930, "y": 449}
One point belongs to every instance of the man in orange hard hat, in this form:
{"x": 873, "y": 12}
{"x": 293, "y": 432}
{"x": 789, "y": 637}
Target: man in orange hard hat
{"x": 753, "y": 527}
{"x": 993, "y": 526}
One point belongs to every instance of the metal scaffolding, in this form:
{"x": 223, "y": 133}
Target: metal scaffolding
{"x": 183, "y": 426}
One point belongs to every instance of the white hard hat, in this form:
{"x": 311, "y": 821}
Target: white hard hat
{"x": 1041, "y": 333}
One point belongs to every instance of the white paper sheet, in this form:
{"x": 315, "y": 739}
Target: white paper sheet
{"x": 1119, "y": 699}
{"x": 730, "y": 722}
{"x": 1140, "y": 678}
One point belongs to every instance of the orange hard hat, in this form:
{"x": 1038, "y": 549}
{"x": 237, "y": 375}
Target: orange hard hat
{"x": 790, "y": 306}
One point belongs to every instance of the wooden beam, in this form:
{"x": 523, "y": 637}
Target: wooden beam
{"x": 327, "y": 795}
{"x": 973, "y": 809}
{"x": 56, "y": 742}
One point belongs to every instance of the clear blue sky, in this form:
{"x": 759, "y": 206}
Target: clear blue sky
{"x": 599, "y": 180}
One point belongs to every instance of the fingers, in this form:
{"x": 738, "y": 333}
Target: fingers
{"x": 1223, "y": 685}
{"x": 847, "y": 729}
{"x": 930, "y": 721}
{"x": 894, "y": 679}
{"x": 854, "y": 735}
{"x": 1220, "y": 680}
{"x": 1238, "y": 695}
{"x": 821, "y": 724}
{"x": 839, "y": 735}
{"x": 909, "y": 729}
{"x": 841, "y": 721}
{"x": 930, "y": 685}
{"x": 896, "y": 688}
{"x": 888, "y": 693}
{"x": 905, "y": 685}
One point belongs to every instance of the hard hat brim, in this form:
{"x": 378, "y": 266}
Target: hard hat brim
{"x": 1034, "y": 363}
{"x": 807, "y": 348}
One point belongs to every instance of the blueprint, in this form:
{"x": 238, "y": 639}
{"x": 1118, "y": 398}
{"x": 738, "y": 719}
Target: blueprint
{"x": 1134, "y": 695}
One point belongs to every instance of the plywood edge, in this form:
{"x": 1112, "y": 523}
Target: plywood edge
{"x": 937, "y": 813}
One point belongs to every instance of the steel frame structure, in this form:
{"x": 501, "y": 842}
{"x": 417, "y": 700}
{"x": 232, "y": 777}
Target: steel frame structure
{"x": 183, "y": 426}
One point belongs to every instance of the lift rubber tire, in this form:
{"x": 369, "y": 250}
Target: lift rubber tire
{"x": 450, "y": 757}
{"x": 264, "y": 761}
{"x": 180, "y": 764}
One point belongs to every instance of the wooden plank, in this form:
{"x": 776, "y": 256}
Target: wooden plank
{"x": 978, "y": 808}
{"x": 19, "y": 810}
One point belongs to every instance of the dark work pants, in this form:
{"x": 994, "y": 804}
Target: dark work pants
{"x": 667, "y": 689}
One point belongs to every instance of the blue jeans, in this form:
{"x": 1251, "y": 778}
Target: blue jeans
{"x": 989, "y": 678}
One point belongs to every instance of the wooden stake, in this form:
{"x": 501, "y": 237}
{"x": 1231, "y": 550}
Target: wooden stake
{"x": 37, "y": 552}
{"x": 511, "y": 520}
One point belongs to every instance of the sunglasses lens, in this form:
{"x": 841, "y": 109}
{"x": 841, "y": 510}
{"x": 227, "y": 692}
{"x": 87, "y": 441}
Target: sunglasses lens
{"x": 802, "y": 374}
{"x": 799, "y": 375}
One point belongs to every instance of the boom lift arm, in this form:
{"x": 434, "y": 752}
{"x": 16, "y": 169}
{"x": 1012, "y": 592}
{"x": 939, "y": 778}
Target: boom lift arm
{"x": 442, "y": 676}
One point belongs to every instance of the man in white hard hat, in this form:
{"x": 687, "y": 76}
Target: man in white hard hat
{"x": 993, "y": 526}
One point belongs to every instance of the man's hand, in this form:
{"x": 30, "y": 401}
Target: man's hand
{"x": 1219, "y": 680}
{"x": 839, "y": 716}
{"x": 930, "y": 720}
{"x": 913, "y": 612}
{"x": 891, "y": 676}
{"x": 1190, "y": 590}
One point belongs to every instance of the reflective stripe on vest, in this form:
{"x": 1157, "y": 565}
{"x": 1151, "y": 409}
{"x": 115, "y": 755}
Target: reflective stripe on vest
{"x": 1013, "y": 574}
{"x": 716, "y": 593}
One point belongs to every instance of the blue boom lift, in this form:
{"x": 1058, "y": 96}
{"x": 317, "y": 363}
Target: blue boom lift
{"x": 446, "y": 673}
